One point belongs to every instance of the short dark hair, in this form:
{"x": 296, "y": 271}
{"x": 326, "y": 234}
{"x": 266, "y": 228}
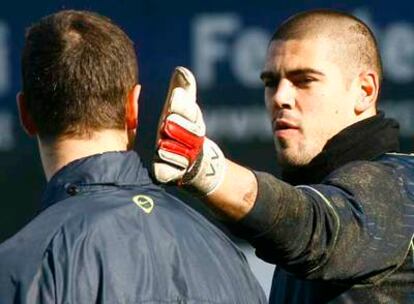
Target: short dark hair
{"x": 77, "y": 70}
{"x": 353, "y": 36}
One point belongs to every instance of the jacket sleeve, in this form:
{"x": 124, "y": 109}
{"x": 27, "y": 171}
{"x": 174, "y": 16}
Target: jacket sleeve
{"x": 349, "y": 229}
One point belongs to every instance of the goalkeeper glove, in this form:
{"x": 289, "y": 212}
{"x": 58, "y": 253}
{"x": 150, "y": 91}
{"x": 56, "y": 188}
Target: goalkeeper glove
{"x": 184, "y": 155}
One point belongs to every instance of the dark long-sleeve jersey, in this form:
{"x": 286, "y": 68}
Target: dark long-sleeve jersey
{"x": 345, "y": 240}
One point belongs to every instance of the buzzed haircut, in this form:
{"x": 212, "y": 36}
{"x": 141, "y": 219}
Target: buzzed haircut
{"x": 77, "y": 70}
{"x": 355, "y": 44}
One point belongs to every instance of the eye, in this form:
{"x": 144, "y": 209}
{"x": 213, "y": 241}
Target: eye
{"x": 303, "y": 81}
{"x": 270, "y": 82}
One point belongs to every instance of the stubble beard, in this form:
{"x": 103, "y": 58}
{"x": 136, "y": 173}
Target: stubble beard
{"x": 290, "y": 156}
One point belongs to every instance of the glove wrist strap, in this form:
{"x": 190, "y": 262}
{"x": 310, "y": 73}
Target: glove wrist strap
{"x": 208, "y": 171}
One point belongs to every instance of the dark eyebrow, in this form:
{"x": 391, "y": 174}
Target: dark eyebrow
{"x": 292, "y": 73}
{"x": 268, "y": 74}
{"x": 304, "y": 71}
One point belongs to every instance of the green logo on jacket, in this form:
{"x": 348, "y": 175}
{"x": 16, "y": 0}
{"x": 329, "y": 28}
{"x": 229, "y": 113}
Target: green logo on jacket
{"x": 144, "y": 202}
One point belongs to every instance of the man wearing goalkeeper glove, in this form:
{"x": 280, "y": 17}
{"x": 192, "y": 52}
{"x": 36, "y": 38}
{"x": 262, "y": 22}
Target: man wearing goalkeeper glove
{"x": 340, "y": 224}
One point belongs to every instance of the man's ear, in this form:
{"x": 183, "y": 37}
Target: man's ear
{"x": 132, "y": 107}
{"x": 369, "y": 89}
{"x": 26, "y": 120}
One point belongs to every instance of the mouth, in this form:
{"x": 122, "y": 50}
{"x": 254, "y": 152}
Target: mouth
{"x": 284, "y": 128}
{"x": 282, "y": 124}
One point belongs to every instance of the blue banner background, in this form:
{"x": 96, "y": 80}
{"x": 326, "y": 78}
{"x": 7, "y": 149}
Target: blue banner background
{"x": 168, "y": 34}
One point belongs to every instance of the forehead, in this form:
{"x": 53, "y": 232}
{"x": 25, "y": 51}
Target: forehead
{"x": 314, "y": 53}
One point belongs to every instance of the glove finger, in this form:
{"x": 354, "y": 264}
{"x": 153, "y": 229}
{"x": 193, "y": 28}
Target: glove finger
{"x": 166, "y": 173}
{"x": 184, "y": 129}
{"x": 184, "y": 104}
{"x": 183, "y": 80}
{"x": 179, "y": 140}
{"x": 170, "y": 152}
{"x": 175, "y": 147}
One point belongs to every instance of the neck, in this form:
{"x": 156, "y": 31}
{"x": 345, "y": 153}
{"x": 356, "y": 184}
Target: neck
{"x": 62, "y": 151}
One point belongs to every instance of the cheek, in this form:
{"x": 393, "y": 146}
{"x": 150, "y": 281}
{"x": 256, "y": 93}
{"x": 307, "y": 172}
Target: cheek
{"x": 329, "y": 105}
{"x": 270, "y": 108}
{"x": 321, "y": 117}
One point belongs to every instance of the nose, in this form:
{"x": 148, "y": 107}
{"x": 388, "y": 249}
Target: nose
{"x": 283, "y": 96}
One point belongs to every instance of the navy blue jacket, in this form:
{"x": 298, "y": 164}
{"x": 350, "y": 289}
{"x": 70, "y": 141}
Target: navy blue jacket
{"x": 107, "y": 234}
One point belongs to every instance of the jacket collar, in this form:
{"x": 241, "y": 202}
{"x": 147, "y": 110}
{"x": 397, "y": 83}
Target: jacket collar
{"x": 364, "y": 140}
{"x": 107, "y": 169}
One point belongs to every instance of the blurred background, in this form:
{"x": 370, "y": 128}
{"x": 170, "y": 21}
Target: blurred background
{"x": 224, "y": 43}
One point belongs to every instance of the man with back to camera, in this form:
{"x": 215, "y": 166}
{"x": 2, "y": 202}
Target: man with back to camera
{"x": 106, "y": 233}
{"x": 340, "y": 224}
